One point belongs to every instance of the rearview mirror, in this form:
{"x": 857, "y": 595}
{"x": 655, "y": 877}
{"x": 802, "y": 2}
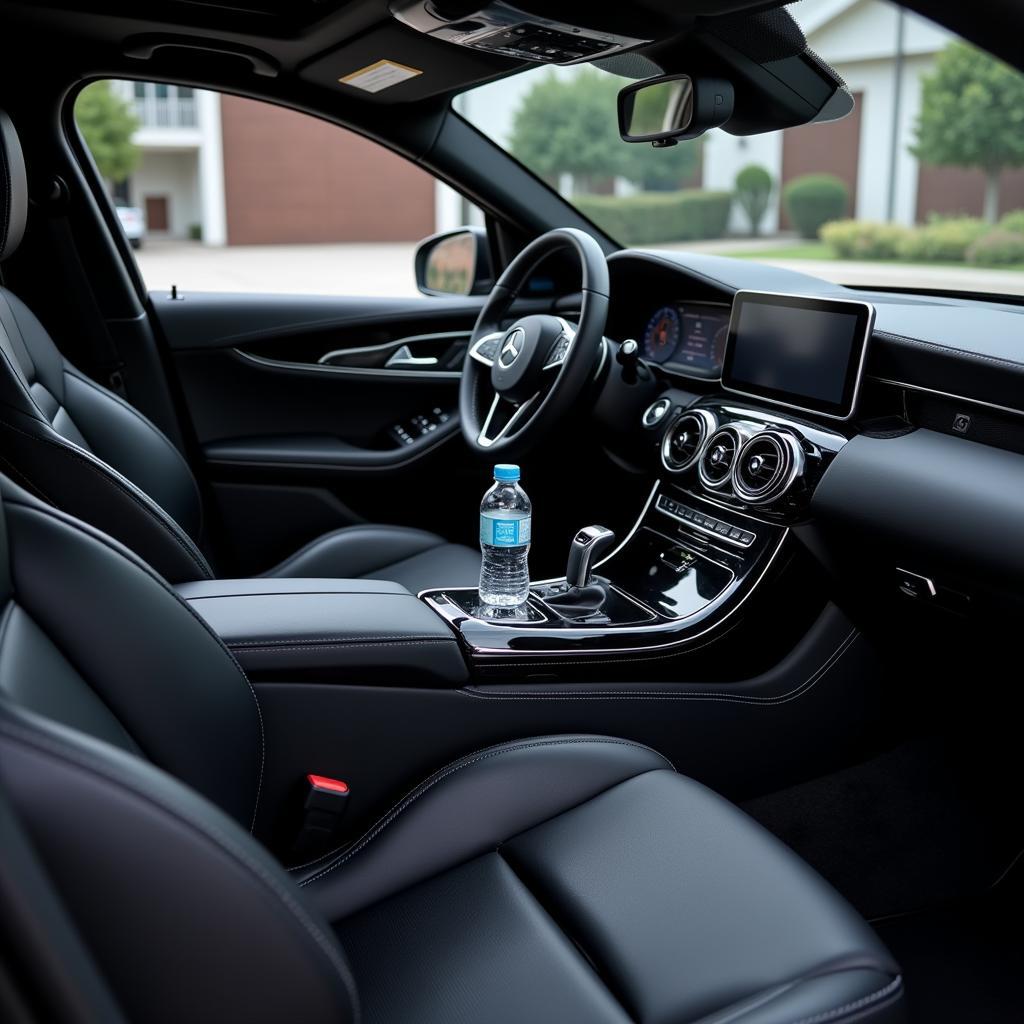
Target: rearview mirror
{"x": 664, "y": 110}
{"x": 454, "y": 263}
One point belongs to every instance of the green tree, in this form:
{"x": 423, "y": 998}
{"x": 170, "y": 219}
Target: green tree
{"x": 570, "y": 126}
{"x": 107, "y": 124}
{"x": 972, "y": 115}
{"x": 753, "y": 190}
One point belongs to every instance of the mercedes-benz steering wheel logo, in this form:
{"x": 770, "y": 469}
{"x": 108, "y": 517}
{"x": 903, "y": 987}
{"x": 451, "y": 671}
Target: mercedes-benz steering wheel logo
{"x": 511, "y": 347}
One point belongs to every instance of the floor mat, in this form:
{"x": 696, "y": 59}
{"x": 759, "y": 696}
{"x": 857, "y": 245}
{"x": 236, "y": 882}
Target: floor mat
{"x": 962, "y": 964}
{"x": 920, "y": 826}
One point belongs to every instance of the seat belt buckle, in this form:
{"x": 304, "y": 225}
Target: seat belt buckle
{"x": 324, "y": 808}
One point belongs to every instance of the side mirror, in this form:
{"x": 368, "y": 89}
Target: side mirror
{"x": 454, "y": 263}
{"x": 664, "y": 110}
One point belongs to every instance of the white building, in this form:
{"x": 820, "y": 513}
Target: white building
{"x": 869, "y": 149}
{"x": 179, "y": 182}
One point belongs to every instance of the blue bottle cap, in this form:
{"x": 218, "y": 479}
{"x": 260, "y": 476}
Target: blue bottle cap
{"x": 506, "y": 472}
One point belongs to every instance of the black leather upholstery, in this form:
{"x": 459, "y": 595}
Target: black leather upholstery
{"x": 416, "y": 559}
{"x": 13, "y": 189}
{"x": 357, "y": 630}
{"x": 549, "y": 879}
{"x": 89, "y": 453}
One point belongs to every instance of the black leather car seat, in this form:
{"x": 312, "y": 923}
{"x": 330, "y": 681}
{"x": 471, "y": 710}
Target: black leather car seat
{"x": 89, "y": 453}
{"x": 552, "y": 879}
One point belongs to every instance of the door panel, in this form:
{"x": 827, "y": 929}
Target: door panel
{"x": 317, "y": 412}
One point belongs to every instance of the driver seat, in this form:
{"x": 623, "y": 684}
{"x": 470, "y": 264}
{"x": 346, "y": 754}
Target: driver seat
{"x": 87, "y": 452}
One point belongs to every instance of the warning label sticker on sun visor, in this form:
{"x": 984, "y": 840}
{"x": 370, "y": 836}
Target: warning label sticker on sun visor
{"x": 380, "y": 76}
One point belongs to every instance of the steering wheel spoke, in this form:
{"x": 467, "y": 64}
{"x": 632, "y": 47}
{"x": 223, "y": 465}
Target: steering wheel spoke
{"x": 561, "y": 346}
{"x": 519, "y": 375}
{"x": 502, "y": 418}
{"x": 485, "y": 350}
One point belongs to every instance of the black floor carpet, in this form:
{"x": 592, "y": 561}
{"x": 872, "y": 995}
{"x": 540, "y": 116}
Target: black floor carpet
{"x": 962, "y": 964}
{"x": 916, "y": 839}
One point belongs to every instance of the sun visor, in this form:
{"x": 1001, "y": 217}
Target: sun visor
{"x": 394, "y": 64}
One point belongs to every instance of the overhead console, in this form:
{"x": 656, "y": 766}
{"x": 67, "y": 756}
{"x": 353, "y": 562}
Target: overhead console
{"x": 505, "y": 30}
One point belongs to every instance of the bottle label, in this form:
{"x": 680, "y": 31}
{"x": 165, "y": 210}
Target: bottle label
{"x": 504, "y": 533}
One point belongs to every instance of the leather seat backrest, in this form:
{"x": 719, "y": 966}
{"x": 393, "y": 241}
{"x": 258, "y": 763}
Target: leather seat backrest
{"x": 184, "y": 916}
{"x": 76, "y": 444}
{"x": 92, "y": 638}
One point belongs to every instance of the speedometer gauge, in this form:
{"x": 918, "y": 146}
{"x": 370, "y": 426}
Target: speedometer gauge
{"x": 661, "y": 338}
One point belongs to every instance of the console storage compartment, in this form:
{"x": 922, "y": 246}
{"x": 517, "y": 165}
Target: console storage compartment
{"x": 337, "y": 631}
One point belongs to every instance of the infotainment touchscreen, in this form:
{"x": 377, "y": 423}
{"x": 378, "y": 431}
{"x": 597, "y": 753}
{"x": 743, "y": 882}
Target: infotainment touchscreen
{"x": 802, "y": 352}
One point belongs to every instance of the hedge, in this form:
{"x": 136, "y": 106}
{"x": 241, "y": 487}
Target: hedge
{"x": 1013, "y": 221}
{"x": 813, "y": 200}
{"x": 945, "y": 239}
{"x": 864, "y": 240}
{"x": 659, "y": 216}
{"x": 998, "y": 248}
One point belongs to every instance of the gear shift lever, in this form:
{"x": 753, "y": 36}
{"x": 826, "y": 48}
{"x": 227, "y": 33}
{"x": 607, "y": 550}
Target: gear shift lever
{"x": 587, "y": 546}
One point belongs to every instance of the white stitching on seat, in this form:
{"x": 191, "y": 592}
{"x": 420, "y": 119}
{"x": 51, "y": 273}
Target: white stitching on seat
{"x": 857, "y": 1004}
{"x": 451, "y": 769}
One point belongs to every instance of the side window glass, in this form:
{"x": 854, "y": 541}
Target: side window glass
{"x": 221, "y": 193}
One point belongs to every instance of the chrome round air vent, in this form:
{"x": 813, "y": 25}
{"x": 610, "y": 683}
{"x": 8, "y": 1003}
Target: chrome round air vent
{"x": 681, "y": 445}
{"x": 767, "y": 466}
{"x": 719, "y": 456}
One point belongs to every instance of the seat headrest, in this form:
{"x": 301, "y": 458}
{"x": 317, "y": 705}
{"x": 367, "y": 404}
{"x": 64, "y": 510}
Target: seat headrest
{"x": 13, "y": 189}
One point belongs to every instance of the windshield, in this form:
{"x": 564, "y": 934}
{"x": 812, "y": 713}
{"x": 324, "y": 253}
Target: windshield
{"x": 920, "y": 187}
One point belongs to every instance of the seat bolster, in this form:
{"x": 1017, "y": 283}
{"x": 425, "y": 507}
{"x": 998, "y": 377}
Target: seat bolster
{"x": 186, "y": 916}
{"x": 471, "y": 806}
{"x": 354, "y": 551}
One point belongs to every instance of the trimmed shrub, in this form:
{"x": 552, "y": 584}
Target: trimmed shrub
{"x": 998, "y": 248}
{"x": 864, "y": 240}
{"x": 813, "y": 200}
{"x": 1013, "y": 221}
{"x": 649, "y": 217}
{"x": 753, "y": 190}
{"x": 943, "y": 239}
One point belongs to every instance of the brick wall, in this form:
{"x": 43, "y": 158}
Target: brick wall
{"x": 290, "y": 177}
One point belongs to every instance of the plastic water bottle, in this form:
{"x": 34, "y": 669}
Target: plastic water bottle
{"x": 505, "y": 541}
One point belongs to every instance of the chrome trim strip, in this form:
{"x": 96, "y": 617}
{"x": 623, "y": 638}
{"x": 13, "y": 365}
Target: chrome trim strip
{"x": 411, "y": 339}
{"x": 345, "y": 371}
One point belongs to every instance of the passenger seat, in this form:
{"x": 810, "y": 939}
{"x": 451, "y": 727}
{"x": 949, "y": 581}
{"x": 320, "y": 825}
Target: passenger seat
{"x": 545, "y": 880}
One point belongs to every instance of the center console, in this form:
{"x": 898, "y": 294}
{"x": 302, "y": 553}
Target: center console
{"x": 733, "y": 480}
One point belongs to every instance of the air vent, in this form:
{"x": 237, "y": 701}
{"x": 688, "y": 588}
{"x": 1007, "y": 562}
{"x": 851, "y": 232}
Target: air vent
{"x": 767, "y": 466}
{"x": 719, "y": 455}
{"x": 681, "y": 445}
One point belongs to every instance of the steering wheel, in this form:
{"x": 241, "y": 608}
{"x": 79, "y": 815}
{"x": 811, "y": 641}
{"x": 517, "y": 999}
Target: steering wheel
{"x": 517, "y": 381}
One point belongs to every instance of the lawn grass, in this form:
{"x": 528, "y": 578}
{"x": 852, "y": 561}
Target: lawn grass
{"x": 802, "y": 251}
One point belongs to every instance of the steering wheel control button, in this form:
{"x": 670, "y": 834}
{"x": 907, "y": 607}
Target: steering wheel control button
{"x": 656, "y": 412}
{"x": 912, "y": 584}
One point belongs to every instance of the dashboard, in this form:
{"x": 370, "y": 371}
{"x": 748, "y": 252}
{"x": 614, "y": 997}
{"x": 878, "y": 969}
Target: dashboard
{"x": 688, "y": 338}
{"x": 885, "y": 430}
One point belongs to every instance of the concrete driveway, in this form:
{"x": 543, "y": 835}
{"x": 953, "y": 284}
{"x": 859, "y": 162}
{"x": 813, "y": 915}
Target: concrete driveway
{"x": 386, "y": 269}
{"x": 378, "y": 268}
